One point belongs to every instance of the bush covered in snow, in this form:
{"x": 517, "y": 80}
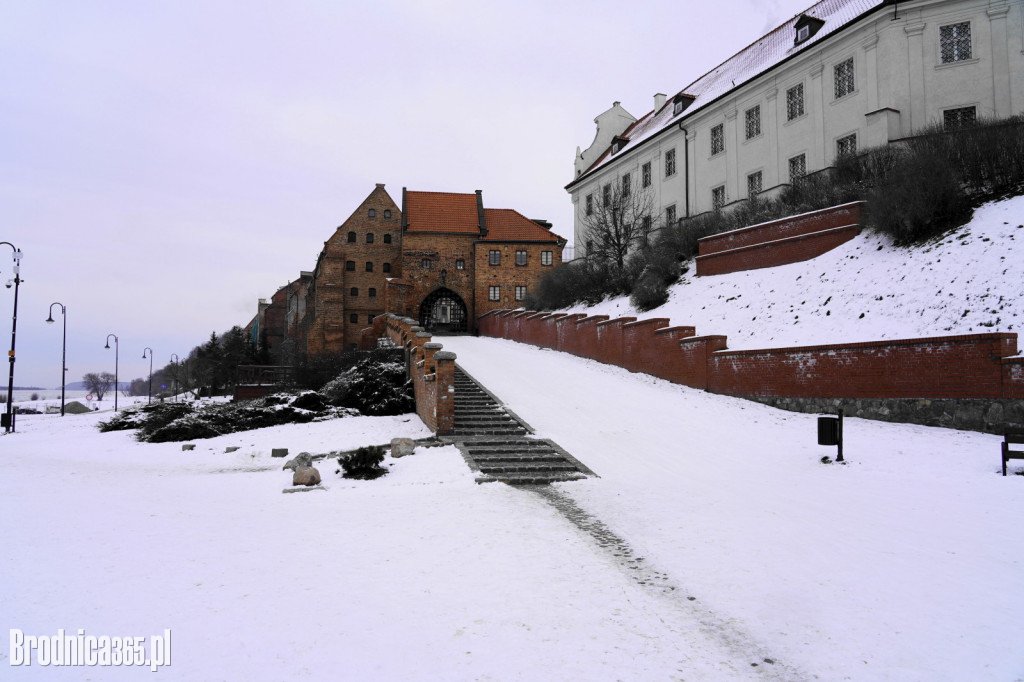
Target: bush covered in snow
{"x": 373, "y": 387}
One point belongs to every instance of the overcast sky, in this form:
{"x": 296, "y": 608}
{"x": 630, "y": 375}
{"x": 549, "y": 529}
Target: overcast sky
{"x": 165, "y": 165}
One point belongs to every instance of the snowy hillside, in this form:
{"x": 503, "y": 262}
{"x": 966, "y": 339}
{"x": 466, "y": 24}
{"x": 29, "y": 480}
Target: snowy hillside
{"x": 971, "y": 281}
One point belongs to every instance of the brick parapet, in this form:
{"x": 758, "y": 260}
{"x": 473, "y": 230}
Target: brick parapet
{"x": 791, "y": 226}
{"x": 771, "y": 254}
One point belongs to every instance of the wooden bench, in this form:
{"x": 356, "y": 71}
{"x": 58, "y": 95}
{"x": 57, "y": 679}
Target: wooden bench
{"x": 1014, "y": 437}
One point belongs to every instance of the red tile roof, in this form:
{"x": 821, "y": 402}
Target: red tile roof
{"x": 441, "y": 212}
{"x": 507, "y": 225}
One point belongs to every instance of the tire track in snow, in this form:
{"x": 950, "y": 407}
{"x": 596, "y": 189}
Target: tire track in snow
{"x": 730, "y": 636}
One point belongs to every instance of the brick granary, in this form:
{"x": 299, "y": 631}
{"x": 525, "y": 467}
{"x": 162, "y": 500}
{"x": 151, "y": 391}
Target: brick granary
{"x": 442, "y": 259}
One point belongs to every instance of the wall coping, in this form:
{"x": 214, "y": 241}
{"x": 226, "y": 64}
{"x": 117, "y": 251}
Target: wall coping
{"x": 776, "y": 242}
{"x": 667, "y": 330}
{"x": 617, "y": 320}
{"x": 652, "y": 320}
{"x": 708, "y": 337}
{"x": 591, "y": 318}
{"x": 960, "y": 339}
{"x": 779, "y": 221}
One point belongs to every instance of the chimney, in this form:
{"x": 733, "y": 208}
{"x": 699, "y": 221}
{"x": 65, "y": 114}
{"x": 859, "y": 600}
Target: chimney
{"x": 659, "y": 101}
{"x": 480, "y": 212}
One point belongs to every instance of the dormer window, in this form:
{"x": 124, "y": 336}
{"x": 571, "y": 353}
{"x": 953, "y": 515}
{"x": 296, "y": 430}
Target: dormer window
{"x": 618, "y": 143}
{"x": 805, "y": 28}
{"x": 680, "y": 102}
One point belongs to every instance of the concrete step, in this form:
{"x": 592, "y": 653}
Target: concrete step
{"x": 523, "y": 469}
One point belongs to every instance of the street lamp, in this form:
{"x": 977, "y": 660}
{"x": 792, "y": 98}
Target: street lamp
{"x": 150, "y": 400}
{"x": 174, "y": 377}
{"x": 63, "y": 351}
{"x": 9, "y": 419}
{"x": 116, "y": 351}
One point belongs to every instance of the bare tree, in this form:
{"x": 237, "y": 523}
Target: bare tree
{"x": 617, "y": 222}
{"x": 98, "y": 384}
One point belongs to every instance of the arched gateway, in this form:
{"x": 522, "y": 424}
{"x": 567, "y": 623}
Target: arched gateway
{"x": 443, "y": 311}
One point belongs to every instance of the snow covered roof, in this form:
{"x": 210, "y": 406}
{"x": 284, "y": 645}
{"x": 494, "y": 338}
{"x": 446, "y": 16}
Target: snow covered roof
{"x": 754, "y": 60}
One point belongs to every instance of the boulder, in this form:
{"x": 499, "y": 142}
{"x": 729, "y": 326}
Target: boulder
{"x": 400, "y": 447}
{"x": 279, "y": 452}
{"x": 306, "y": 475}
{"x": 231, "y": 448}
{"x": 303, "y": 459}
{"x": 188, "y": 446}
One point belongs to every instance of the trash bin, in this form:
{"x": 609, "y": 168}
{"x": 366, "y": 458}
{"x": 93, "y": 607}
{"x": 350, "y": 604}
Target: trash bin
{"x": 828, "y": 430}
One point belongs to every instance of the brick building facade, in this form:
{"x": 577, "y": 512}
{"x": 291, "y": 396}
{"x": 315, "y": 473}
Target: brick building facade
{"x": 442, "y": 259}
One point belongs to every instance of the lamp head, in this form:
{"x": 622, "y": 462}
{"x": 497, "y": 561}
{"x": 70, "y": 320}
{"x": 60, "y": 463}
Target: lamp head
{"x": 107, "y": 346}
{"x": 50, "y": 318}
{"x": 9, "y": 283}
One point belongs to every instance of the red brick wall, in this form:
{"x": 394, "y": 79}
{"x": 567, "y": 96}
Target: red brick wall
{"x": 951, "y": 367}
{"x": 508, "y": 275}
{"x": 442, "y": 252}
{"x": 779, "y": 242}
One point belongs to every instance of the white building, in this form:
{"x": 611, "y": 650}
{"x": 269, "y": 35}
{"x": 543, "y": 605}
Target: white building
{"x": 843, "y": 75}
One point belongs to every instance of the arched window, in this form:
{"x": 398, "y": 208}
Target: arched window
{"x": 386, "y": 267}
{"x": 373, "y": 213}
{"x": 350, "y": 266}
{"x": 354, "y": 291}
{"x": 387, "y": 237}
{"x": 387, "y": 212}
{"x": 351, "y": 237}
{"x": 369, "y": 266}
{"x": 373, "y": 293}
{"x": 369, "y": 237}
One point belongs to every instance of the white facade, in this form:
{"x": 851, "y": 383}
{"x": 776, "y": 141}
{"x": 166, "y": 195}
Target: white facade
{"x": 872, "y": 72}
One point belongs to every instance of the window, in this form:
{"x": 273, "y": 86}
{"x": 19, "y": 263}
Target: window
{"x": 372, "y": 293}
{"x": 846, "y": 145}
{"x": 386, "y": 267}
{"x": 843, "y": 77}
{"x": 626, "y": 185}
{"x": 520, "y": 257}
{"x": 460, "y": 264}
{"x": 670, "y": 163}
{"x": 795, "y": 102}
{"x": 494, "y": 257}
{"x": 754, "y": 184}
{"x": 590, "y": 204}
{"x": 645, "y": 174}
{"x": 803, "y": 33}
{"x": 717, "y": 139}
{"x": 645, "y": 227}
{"x": 351, "y": 237}
{"x": 670, "y": 214}
{"x": 493, "y": 293}
{"x": 677, "y": 107}
{"x": 958, "y": 118}
{"x": 369, "y": 237}
{"x": 387, "y": 212}
{"x": 425, "y": 263}
{"x": 718, "y": 197}
{"x": 606, "y": 195}
{"x": 369, "y": 318}
{"x": 520, "y": 293}
{"x": 350, "y": 266}
{"x": 753, "y": 121}
{"x": 369, "y": 266}
{"x": 797, "y": 167}
{"x": 545, "y": 258}
{"x": 354, "y": 318}
{"x": 373, "y": 213}
{"x": 387, "y": 237}
{"x": 955, "y": 42}
{"x": 354, "y": 291}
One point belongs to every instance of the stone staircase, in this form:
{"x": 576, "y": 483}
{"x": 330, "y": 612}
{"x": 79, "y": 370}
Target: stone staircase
{"x": 496, "y": 443}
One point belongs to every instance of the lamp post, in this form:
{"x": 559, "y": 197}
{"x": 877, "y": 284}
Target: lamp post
{"x": 174, "y": 377}
{"x": 9, "y": 421}
{"x": 150, "y": 398}
{"x": 63, "y": 350}
{"x": 116, "y": 351}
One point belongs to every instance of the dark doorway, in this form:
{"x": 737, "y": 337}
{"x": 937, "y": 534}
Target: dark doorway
{"x": 443, "y": 311}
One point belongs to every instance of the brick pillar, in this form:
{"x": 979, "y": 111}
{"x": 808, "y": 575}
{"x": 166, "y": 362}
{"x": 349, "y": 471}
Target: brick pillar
{"x": 445, "y": 383}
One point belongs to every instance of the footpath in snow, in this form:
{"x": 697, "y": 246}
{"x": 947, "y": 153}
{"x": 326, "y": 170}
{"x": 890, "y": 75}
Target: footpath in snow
{"x": 714, "y": 539}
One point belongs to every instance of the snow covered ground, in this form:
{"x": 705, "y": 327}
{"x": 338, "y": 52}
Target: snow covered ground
{"x": 971, "y": 281}
{"x": 714, "y": 539}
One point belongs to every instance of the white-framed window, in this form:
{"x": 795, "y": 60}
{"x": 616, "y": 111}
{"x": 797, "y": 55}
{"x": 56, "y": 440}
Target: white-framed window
{"x": 717, "y": 139}
{"x": 627, "y": 185}
{"x": 754, "y": 184}
{"x": 670, "y": 163}
{"x": 803, "y": 33}
{"x": 960, "y": 117}
{"x": 606, "y": 195}
{"x": 718, "y": 197}
{"x": 520, "y": 292}
{"x": 955, "y": 42}
{"x": 546, "y": 258}
{"x": 590, "y": 204}
{"x": 493, "y": 293}
{"x": 842, "y": 75}
{"x": 670, "y": 214}
{"x": 645, "y": 227}
{"x": 795, "y": 102}
{"x": 494, "y": 257}
{"x": 645, "y": 174}
{"x": 521, "y": 257}
{"x": 752, "y": 121}
{"x": 846, "y": 145}
{"x": 797, "y": 167}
